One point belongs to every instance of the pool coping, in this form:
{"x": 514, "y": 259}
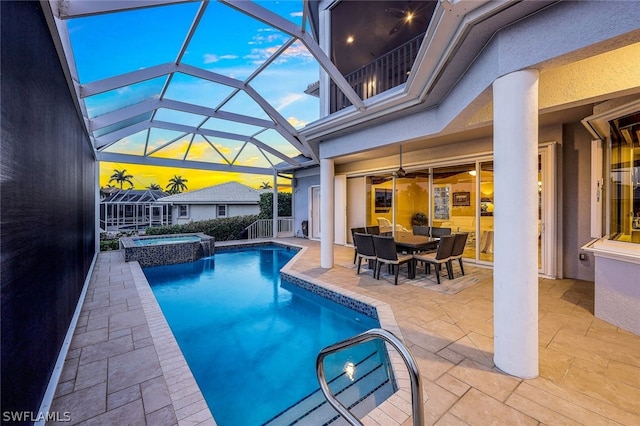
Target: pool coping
{"x": 188, "y": 402}
{"x": 184, "y": 391}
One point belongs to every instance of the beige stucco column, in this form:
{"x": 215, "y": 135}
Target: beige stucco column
{"x": 515, "y": 271}
{"x": 327, "y": 174}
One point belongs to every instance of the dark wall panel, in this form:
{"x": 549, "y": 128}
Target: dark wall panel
{"x": 47, "y": 205}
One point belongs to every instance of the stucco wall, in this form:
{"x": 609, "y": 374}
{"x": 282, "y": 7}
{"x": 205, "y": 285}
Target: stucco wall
{"x": 210, "y": 211}
{"x": 48, "y": 190}
{"x": 576, "y": 198}
{"x": 301, "y": 199}
{"x": 617, "y": 293}
{"x": 242, "y": 210}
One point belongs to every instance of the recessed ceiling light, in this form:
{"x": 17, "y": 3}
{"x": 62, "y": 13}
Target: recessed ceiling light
{"x": 350, "y": 39}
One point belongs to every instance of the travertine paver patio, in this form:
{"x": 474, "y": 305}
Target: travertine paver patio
{"x": 123, "y": 368}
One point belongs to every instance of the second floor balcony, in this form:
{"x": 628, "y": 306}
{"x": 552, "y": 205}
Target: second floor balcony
{"x": 386, "y": 72}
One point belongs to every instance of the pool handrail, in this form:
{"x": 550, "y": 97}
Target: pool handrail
{"x": 374, "y": 333}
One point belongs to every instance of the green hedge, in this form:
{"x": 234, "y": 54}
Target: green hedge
{"x": 111, "y": 241}
{"x": 284, "y": 205}
{"x": 106, "y": 245}
{"x": 223, "y": 229}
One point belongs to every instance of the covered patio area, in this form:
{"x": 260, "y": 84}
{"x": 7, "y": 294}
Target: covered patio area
{"x": 589, "y": 369}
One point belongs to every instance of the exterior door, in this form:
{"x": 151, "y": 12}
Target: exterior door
{"x": 314, "y": 214}
{"x": 547, "y": 226}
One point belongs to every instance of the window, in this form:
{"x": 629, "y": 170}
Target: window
{"x": 624, "y": 178}
{"x": 222, "y": 211}
{"x": 183, "y": 210}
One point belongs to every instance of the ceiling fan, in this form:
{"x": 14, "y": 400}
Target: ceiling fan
{"x": 410, "y": 14}
{"x": 400, "y": 172}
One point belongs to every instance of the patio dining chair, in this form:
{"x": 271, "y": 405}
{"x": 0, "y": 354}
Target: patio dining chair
{"x": 355, "y": 247}
{"x": 439, "y": 257}
{"x": 422, "y": 230}
{"x": 458, "y": 248}
{"x": 386, "y": 252}
{"x": 438, "y": 232}
{"x": 365, "y": 250}
{"x": 373, "y": 230}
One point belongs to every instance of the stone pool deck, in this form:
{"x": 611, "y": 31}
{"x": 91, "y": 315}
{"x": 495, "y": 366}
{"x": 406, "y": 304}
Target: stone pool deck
{"x": 124, "y": 367}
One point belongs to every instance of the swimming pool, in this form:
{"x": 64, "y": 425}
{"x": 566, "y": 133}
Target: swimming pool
{"x": 250, "y": 340}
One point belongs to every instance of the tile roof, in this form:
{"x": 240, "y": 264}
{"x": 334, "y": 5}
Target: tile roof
{"x": 227, "y": 193}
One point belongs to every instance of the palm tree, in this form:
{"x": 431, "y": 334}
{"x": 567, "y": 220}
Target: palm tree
{"x": 154, "y": 187}
{"x": 177, "y": 184}
{"x": 121, "y": 176}
{"x": 265, "y": 185}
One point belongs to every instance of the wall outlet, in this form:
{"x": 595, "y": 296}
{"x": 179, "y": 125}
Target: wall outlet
{"x": 583, "y": 256}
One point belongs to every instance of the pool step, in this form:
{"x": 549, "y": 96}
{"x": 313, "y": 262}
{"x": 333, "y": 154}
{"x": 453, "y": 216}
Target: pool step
{"x": 360, "y": 396}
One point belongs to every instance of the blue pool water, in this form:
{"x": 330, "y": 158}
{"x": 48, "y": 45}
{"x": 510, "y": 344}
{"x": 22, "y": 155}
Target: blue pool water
{"x": 250, "y": 340}
{"x": 166, "y": 240}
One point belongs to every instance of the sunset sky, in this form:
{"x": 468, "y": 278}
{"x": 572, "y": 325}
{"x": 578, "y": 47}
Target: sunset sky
{"x": 143, "y": 176}
{"x": 227, "y": 43}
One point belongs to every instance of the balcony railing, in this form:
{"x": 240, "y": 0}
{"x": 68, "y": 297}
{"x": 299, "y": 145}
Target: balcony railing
{"x": 388, "y": 71}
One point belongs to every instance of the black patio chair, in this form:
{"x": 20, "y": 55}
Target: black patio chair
{"x": 422, "y": 230}
{"x": 386, "y": 252}
{"x": 438, "y": 232}
{"x": 365, "y": 250}
{"x": 439, "y": 257}
{"x": 458, "y": 249}
{"x": 355, "y": 248}
{"x": 373, "y": 230}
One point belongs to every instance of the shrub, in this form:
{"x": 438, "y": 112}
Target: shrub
{"x": 107, "y": 245}
{"x": 419, "y": 219}
{"x": 223, "y": 229}
{"x": 111, "y": 240}
{"x": 266, "y": 205}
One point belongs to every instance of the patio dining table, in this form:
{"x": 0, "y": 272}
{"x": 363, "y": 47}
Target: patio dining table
{"x": 415, "y": 243}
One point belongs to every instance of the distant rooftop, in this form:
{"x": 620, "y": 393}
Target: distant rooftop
{"x": 228, "y": 193}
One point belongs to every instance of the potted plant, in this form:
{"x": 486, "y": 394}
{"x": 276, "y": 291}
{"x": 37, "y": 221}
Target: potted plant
{"x": 419, "y": 219}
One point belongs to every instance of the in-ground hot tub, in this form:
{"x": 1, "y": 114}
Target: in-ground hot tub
{"x": 167, "y": 249}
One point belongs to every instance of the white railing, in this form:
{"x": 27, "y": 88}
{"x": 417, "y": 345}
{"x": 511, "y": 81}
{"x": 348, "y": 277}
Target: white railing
{"x": 263, "y": 228}
{"x": 285, "y": 227}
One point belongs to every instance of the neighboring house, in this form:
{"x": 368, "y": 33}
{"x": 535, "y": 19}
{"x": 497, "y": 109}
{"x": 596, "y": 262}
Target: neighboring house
{"x": 132, "y": 209}
{"x": 224, "y": 200}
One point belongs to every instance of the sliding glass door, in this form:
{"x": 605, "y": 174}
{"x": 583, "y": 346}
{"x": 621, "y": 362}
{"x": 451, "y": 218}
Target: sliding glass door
{"x": 454, "y": 201}
{"x": 485, "y": 232}
{"x": 412, "y": 200}
{"x": 460, "y": 197}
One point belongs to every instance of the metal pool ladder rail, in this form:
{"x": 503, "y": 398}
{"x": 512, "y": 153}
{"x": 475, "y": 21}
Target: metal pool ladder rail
{"x": 374, "y": 333}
